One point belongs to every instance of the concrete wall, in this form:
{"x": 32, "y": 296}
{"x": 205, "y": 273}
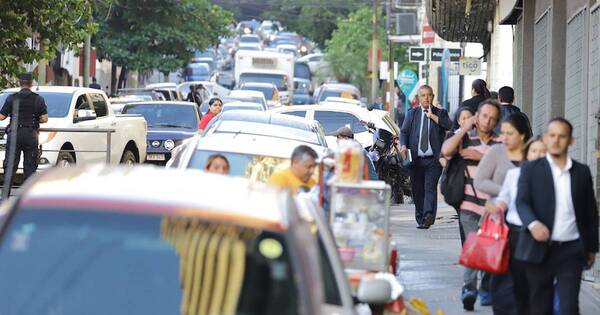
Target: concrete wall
{"x": 499, "y": 74}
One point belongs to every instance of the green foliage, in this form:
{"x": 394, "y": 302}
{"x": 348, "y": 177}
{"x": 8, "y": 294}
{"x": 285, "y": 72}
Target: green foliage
{"x": 314, "y": 19}
{"x": 56, "y": 22}
{"x": 157, "y": 34}
{"x": 348, "y": 48}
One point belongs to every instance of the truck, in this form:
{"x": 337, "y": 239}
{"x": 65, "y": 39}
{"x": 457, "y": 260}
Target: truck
{"x": 267, "y": 67}
{"x": 80, "y": 108}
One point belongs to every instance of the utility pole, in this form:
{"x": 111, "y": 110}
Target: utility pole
{"x": 86, "y": 60}
{"x": 374, "y": 55}
{"x": 42, "y": 64}
{"x": 390, "y": 77}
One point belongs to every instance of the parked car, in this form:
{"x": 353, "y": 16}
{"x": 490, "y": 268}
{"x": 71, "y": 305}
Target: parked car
{"x": 260, "y": 123}
{"x": 197, "y": 72}
{"x": 79, "y": 108}
{"x": 169, "y": 124}
{"x": 343, "y": 90}
{"x": 237, "y": 105}
{"x": 334, "y": 116}
{"x": 269, "y": 90}
{"x": 250, "y": 95}
{"x": 135, "y": 241}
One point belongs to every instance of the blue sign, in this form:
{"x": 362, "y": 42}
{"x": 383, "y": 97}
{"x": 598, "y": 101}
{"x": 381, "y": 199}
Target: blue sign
{"x": 407, "y": 81}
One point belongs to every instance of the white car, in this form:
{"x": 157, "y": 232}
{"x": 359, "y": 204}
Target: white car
{"x": 269, "y": 90}
{"x": 341, "y": 100}
{"x": 237, "y": 105}
{"x": 250, "y": 96}
{"x": 334, "y": 116}
{"x": 314, "y": 61}
{"x": 78, "y": 108}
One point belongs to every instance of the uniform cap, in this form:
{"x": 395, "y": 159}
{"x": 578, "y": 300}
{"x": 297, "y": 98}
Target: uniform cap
{"x": 26, "y": 77}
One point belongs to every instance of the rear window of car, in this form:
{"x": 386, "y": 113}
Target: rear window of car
{"x": 58, "y": 103}
{"x": 301, "y": 70}
{"x": 105, "y": 262}
{"x": 298, "y": 113}
{"x": 165, "y": 115}
{"x": 265, "y": 90}
{"x": 332, "y": 121}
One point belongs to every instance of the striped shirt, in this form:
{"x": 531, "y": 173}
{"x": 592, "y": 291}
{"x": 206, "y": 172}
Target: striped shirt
{"x": 474, "y": 200}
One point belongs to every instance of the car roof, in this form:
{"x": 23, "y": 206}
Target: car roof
{"x": 255, "y": 145}
{"x": 182, "y": 103}
{"x": 242, "y": 104}
{"x": 333, "y": 99}
{"x": 188, "y": 193}
{"x": 305, "y": 136}
{"x": 270, "y": 118}
{"x": 340, "y": 86}
{"x": 236, "y": 93}
{"x": 161, "y": 85}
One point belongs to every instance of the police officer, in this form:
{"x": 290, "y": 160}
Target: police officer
{"x": 31, "y": 112}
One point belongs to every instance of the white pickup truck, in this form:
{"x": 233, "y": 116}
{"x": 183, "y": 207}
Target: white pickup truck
{"x": 82, "y": 108}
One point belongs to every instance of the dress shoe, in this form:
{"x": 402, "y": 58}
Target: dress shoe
{"x": 428, "y": 221}
{"x": 422, "y": 227}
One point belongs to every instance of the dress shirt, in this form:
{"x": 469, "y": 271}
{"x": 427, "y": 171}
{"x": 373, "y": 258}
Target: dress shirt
{"x": 508, "y": 195}
{"x": 565, "y": 224}
{"x": 424, "y": 120}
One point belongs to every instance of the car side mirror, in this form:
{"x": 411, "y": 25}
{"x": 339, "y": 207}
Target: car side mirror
{"x": 374, "y": 291}
{"x": 84, "y": 114}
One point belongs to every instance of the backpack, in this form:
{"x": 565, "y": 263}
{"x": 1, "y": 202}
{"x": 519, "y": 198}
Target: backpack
{"x": 453, "y": 181}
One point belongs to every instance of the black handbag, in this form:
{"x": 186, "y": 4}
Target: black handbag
{"x": 453, "y": 181}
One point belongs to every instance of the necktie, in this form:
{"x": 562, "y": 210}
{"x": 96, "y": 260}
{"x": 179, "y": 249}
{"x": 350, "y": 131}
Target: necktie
{"x": 424, "y": 143}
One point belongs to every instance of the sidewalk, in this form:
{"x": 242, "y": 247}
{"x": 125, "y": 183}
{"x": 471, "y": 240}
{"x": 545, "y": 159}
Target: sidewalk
{"x": 429, "y": 266}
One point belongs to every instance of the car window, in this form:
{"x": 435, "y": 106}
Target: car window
{"x": 165, "y": 115}
{"x": 301, "y": 70}
{"x": 100, "y": 106}
{"x": 114, "y": 262}
{"x": 299, "y": 113}
{"x": 82, "y": 103}
{"x": 332, "y": 121}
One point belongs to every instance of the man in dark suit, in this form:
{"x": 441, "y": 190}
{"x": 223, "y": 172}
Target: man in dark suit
{"x": 423, "y": 133}
{"x": 556, "y": 203}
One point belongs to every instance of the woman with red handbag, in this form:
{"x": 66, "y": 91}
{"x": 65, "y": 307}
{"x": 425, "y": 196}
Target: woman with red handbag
{"x": 491, "y": 172}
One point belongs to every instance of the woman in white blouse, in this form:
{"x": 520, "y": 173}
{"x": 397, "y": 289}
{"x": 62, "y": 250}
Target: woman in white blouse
{"x": 505, "y": 201}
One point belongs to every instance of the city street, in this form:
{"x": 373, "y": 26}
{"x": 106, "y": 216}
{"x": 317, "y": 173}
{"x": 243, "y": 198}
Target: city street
{"x": 429, "y": 266}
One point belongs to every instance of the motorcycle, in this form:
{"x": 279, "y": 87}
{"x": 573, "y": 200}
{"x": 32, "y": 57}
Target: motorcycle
{"x": 385, "y": 156}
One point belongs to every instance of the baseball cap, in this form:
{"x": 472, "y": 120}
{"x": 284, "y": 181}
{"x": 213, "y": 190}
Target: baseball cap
{"x": 344, "y": 131}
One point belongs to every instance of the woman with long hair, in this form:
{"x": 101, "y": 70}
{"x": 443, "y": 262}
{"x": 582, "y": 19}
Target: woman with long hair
{"x": 479, "y": 93}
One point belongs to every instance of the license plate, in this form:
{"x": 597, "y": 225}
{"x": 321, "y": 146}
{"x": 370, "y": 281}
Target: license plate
{"x": 155, "y": 157}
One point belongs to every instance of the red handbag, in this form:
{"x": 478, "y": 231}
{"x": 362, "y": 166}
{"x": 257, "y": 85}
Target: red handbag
{"x": 487, "y": 249}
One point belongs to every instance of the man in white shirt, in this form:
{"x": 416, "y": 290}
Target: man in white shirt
{"x": 556, "y": 202}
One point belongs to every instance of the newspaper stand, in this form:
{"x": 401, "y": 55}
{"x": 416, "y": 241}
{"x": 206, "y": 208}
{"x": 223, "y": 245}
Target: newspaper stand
{"x": 360, "y": 219}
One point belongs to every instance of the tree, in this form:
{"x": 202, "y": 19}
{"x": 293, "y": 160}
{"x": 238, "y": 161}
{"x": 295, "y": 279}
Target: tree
{"x": 157, "y": 34}
{"x": 53, "y": 22}
{"x": 348, "y": 48}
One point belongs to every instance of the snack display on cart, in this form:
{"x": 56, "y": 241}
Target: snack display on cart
{"x": 349, "y": 162}
{"x": 359, "y": 221}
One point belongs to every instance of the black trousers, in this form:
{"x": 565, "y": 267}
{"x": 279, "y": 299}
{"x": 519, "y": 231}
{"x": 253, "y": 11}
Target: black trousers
{"x": 27, "y": 142}
{"x": 510, "y": 294}
{"x": 564, "y": 262}
{"x": 424, "y": 176}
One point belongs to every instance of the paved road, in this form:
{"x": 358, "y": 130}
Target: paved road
{"x": 429, "y": 265}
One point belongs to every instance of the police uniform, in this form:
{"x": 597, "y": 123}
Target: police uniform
{"x": 31, "y": 107}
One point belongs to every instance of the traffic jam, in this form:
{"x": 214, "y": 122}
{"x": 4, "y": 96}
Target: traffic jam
{"x": 256, "y": 184}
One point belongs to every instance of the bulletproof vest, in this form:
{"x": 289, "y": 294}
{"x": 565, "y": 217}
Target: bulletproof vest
{"x": 27, "y": 109}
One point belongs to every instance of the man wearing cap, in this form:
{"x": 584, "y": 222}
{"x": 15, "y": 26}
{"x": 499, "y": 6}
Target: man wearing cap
{"x": 345, "y": 133}
{"x": 30, "y": 110}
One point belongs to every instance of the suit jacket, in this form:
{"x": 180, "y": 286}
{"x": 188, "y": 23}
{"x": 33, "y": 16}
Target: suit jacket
{"x": 536, "y": 200}
{"x": 409, "y": 133}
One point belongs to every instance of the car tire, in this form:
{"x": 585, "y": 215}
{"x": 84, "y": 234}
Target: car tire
{"x": 128, "y": 158}
{"x": 65, "y": 159}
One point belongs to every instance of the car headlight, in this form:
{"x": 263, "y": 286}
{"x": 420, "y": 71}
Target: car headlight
{"x": 169, "y": 144}
{"x": 155, "y": 144}
{"x": 303, "y": 49}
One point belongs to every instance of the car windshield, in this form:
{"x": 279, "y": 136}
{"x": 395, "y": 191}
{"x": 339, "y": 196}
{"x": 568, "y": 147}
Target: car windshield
{"x": 301, "y": 70}
{"x": 58, "y": 103}
{"x": 267, "y": 91}
{"x": 198, "y": 69}
{"x": 114, "y": 262}
{"x": 165, "y": 115}
{"x": 277, "y": 79}
{"x": 333, "y": 93}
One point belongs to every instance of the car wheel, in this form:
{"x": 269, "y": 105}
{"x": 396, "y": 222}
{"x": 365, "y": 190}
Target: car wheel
{"x": 128, "y": 158}
{"x": 65, "y": 159}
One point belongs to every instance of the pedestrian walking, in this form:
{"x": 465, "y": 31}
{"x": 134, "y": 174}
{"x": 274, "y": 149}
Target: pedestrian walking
{"x": 479, "y": 93}
{"x": 491, "y": 172}
{"x": 472, "y": 144}
{"x": 421, "y": 137}
{"x": 461, "y": 116}
{"x": 506, "y": 97}
{"x": 95, "y": 85}
{"x": 556, "y": 203}
{"x": 194, "y": 97}
{"x": 29, "y": 110}
{"x": 215, "y": 106}
{"x": 506, "y": 202}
